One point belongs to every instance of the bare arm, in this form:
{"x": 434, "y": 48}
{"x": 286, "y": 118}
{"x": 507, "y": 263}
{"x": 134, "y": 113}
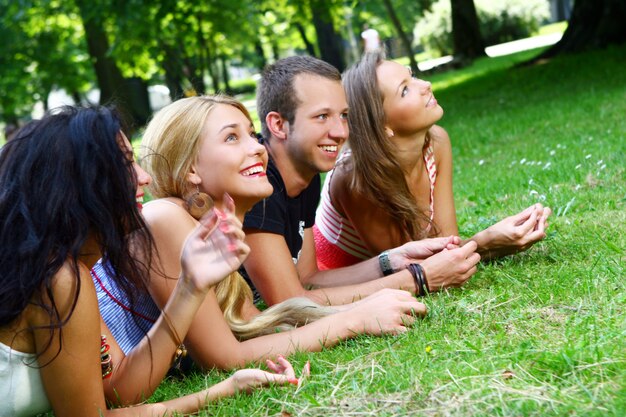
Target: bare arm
{"x": 275, "y": 276}
{"x": 513, "y": 234}
{"x": 210, "y": 340}
{"x": 445, "y": 212}
{"x": 72, "y": 378}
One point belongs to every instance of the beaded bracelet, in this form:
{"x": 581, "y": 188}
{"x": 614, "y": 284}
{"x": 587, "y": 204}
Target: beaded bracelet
{"x": 105, "y": 358}
{"x": 419, "y": 276}
{"x": 385, "y": 265}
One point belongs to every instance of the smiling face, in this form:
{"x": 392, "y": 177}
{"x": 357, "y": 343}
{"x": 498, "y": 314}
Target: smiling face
{"x": 409, "y": 103}
{"x": 320, "y": 124}
{"x": 230, "y": 159}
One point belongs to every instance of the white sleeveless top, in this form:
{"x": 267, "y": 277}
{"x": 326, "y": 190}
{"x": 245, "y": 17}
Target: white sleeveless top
{"x": 21, "y": 390}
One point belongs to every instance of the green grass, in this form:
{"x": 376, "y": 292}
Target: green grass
{"x": 558, "y": 27}
{"x": 540, "y": 334}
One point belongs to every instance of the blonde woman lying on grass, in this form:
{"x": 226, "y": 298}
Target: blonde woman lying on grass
{"x": 68, "y": 186}
{"x": 198, "y": 149}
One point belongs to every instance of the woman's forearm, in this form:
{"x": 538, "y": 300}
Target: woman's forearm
{"x": 142, "y": 370}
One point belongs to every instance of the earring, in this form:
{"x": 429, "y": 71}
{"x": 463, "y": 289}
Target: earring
{"x": 389, "y": 132}
{"x": 198, "y": 203}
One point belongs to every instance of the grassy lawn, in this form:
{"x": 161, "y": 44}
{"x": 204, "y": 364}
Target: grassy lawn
{"x": 542, "y": 333}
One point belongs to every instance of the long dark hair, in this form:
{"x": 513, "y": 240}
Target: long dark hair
{"x": 64, "y": 178}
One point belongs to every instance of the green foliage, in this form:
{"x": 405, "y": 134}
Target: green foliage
{"x": 243, "y": 86}
{"x": 536, "y": 334}
{"x": 504, "y": 21}
{"x": 500, "y": 21}
{"x": 42, "y": 48}
{"x": 434, "y": 29}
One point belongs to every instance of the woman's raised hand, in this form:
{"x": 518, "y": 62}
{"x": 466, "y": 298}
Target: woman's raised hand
{"x": 215, "y": 248}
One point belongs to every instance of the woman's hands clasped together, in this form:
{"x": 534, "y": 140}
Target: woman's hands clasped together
{"x": 445, "y": 262}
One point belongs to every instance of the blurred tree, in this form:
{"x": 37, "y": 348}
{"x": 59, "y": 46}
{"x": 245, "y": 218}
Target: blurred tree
{"x": 404, "y": 38}
{"x": 468, "y": 42}
{"x": 130, "y": 95}
{"x": 329, "y": 41}
{"x": 42, "y": 49}
{"x": 593, "y": 24}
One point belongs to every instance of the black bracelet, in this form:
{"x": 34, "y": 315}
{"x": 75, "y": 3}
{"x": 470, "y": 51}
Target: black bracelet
{"x": 424, "y": 280}
{"x": 385, "y": 265}
{"x": 421, "y": 285}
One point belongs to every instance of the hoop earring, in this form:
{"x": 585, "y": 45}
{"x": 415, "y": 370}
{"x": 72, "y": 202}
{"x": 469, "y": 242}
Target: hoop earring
{"x": 198, "y": 204}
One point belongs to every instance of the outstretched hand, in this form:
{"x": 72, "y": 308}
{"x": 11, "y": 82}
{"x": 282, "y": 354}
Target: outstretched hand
{"x": 282, "y": 373}
{"x": 387, "y": 311}
{"x": 215, "y": 248}
{"x": 418, "y": 250}
{"x": 515, "y": 233}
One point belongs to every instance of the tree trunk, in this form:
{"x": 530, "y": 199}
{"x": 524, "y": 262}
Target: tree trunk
{"x": 76, "y": 96}
{"x": 111, "y": 83}
{"x": 468, "y": 42}
{"x": 328, "y": 40}
{"x": 261, "y": 61}
{"x": 406, "y": 42}
{"x": 310, "y": 48}
{"x": 109, "y": 77}
{"x": 173, "y": 72}
{"x": 225, "y": 76}
{"x": 194, "y": 76}
{"x": 563, "y": 11}
{"x": 211, "y": 65}
{"x": 593, "y": 24}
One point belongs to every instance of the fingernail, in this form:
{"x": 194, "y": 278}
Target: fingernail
{"x": 220, "y": 214}
{"x": 224, "y": 227}
{"x": 293, "y": 381}
{"x": 231, "y": 247}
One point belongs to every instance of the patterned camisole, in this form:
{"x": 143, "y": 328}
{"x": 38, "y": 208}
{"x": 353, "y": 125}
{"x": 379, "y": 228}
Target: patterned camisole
{"x": 337, "y": 242}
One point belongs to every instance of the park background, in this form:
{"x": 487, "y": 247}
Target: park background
{"x": 541, "y": 333}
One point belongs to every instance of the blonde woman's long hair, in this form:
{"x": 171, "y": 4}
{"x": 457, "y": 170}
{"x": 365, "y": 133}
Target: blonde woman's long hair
{"x": 170, "y": 144}
{"x": 372, "y": 168}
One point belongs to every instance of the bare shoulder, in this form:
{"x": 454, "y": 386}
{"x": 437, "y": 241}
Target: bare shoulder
{"x": 440, "y": 142}
{"x": 167, "y": 214}
{"x": 439, "y": 136}
{"x": 339, "y": 180}
{"x": 66, "y": 286}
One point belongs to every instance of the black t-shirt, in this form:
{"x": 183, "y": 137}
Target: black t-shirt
{"x": 284, "y": 215}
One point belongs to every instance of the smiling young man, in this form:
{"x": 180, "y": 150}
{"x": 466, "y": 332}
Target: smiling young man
{"x": 303, "y": 111}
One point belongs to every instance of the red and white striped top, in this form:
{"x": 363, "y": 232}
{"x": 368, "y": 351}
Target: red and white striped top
{"x": 337, "y": 243}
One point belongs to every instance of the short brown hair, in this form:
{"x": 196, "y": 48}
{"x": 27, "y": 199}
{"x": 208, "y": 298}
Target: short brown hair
{"x": 276, "y": 92}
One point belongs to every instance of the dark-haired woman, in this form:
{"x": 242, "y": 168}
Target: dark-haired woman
{"x": 68, "y": 191}
{"x": 395, "y": 183}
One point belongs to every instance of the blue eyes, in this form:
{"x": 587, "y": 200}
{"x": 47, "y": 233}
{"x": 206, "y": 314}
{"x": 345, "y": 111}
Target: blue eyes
{"x": 232, "y": 137}
{"x": 342, "y": 116}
